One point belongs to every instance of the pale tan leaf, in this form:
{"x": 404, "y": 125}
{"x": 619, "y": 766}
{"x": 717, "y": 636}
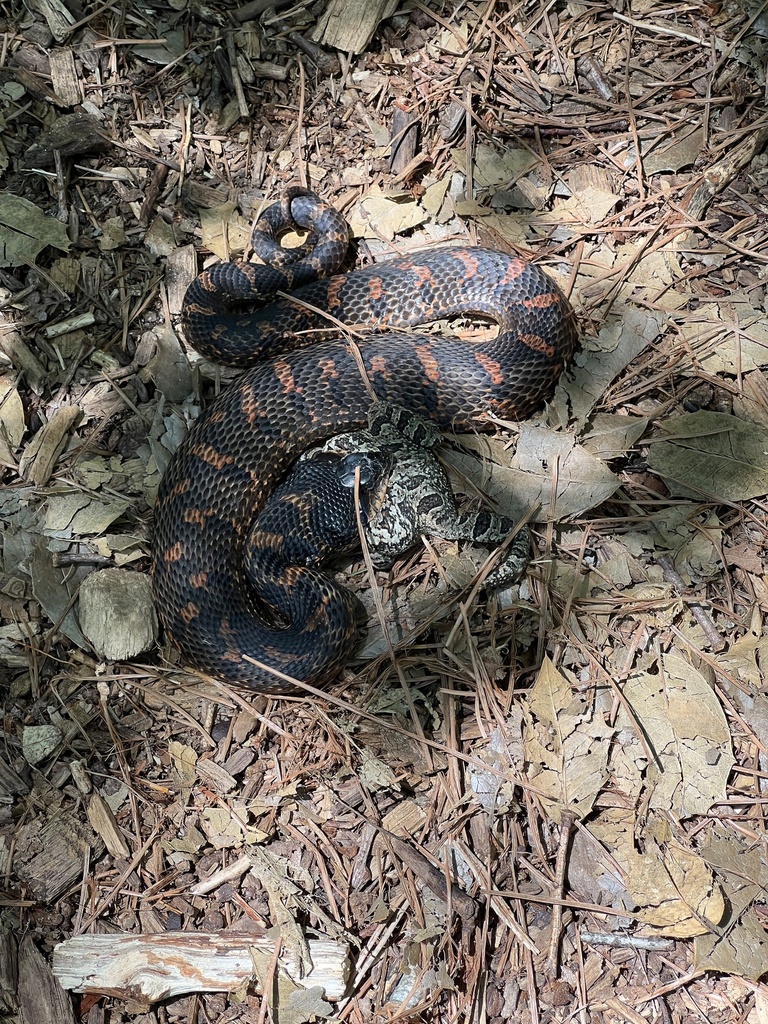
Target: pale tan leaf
{"x": 686, "y": 730}
{"x": 566, "y": 748}
{"x": 224, "y": 231}
{"x": 521, "y": 479}
{"x": 674, "y": 889}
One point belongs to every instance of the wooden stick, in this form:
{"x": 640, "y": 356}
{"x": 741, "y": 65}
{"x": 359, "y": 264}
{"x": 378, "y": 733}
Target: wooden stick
{"x": 170, "y": 964}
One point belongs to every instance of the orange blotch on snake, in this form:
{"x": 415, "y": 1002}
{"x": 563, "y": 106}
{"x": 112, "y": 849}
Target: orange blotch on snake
{"x": 251, "y": 407}
{"x": 468, "y": 260}
{"x": 492, "y": 367}
{"x": 195, "y": 516}
{"x": 209, "y": 454}
{"x": 284, "y": 374}
{"x": 189, "y": 612}
{"x": 380, "y": 367}
{"x": 199, "y": 580}
{"x": 263, "y": 540}
{"x": 332, "y": 295}
{"x": 537, "y": 344}
{"x": 515, "y": 269}
{"x": 423, "y": 275}
{"x": 277, "y": 656}
{"x": 178, "y": 489}
{"x": 328, "y": 369}
{"x": 428, "y": 363}
{"x": 174, "y": 554}
{"x": 545, "y": 301}
{"x": 319, "y": 617}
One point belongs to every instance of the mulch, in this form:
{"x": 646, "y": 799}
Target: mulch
{"x": 546, "y": 804}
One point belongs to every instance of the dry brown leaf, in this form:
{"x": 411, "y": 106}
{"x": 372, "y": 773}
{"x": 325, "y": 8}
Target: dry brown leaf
{"x": 674, "y": 889}
{"x": 711, "y": 454}
{"x": 12, "y": 425}
{"x": 566, "y": 747}
{"x": 742, "y": 950}
{"x": 224, "y": 231}
{"x": 384, "y": 216}
{"x": 686, "y": 730}
{"x": 522, "y": 479}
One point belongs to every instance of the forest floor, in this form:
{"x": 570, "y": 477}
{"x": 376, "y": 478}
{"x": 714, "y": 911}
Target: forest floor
{"x": 542, "y": 805}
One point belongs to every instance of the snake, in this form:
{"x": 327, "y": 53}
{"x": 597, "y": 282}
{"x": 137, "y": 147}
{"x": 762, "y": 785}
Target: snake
{"x": 404, "y": 494}
{"x": 305, "y": 379}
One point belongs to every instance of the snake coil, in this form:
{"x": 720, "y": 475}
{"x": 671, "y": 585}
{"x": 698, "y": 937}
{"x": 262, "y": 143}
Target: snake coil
{"x": 292, "y": 397}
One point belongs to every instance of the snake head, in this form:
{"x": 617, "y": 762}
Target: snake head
{"x": 372, "y": 471}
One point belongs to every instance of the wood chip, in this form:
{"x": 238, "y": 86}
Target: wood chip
{"x": 64, "y": 76}
{"x": 117, "y": 613}
{"x": 11, "y": 783}
{"x": 9, "y": 973}
{"x": 40, "y": 456}
{"x": 50, "y": 854}
{"x": 349, "y": 25}
{"x": 69, "y": 135}
{"x": 405, "y": 136}
{"x": 103, "y": 821}
{"x": 41, "y": 997}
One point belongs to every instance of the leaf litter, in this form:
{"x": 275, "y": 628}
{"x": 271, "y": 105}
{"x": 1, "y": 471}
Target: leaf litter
{"x": 595, "y": 738}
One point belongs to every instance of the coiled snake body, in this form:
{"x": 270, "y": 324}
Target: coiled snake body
{"x": 238, "y": 451}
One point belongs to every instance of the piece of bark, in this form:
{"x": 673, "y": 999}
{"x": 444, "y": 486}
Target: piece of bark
{"x": 451, "y": 119}
{"x": 39, "y": 458}
{"x": 60, "y": 19}
{"x": 50, "y": 854}
{"x": 104, "y": 824}
{"x": 349, "y": 24}
{"x": 69, "y": 135}
{"x": 717, "y": 177}
{"x": 434, "y": 877}
{"x": 11, "y": 783}
{"x": 64, "y": 76}
{"x": 181, "y": 269}
{"x": 171, "y": 964}
{"x": 12, "y": 343}
{"x": 9, "y": 972}
{"x": 404, "y": 136}
{"x": 33, "y": 85}
{"x": 326, "y": 63}
{"x": 270, "y": 69}
{"x": 154, "y": 191}
{"x": 117, "y": 613}
{"x": 252, "y": 11}
{"x": 42, "y": 1000}
{"x": 31, "y": 58}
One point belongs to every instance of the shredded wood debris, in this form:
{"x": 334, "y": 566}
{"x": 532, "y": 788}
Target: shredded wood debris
{"x": 543, "y": 805}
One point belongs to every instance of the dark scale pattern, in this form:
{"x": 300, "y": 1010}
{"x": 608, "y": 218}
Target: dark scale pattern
{"x": 240, "y": 448}
{"x": 307, "y": 520}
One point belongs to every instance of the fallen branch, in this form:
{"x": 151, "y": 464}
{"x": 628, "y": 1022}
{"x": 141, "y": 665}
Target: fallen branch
{"x": 170, "y": 964}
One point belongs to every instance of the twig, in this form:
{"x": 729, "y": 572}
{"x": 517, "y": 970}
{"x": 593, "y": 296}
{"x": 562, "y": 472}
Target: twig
{"x": 567, "y": 818}
{"x": 237, "y": 82}
{"x": 671, "y": 575}
{"x": 663, "y": 30}
{"x": 629, "y": 941}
